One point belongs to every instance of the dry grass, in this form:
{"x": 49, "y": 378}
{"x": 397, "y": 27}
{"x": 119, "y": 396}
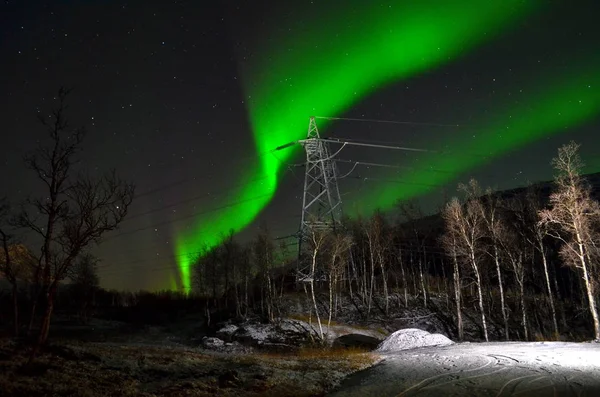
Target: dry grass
{"x": 102, "y": 369}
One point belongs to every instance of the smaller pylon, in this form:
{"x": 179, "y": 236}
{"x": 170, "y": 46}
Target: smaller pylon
{"x": 321, "y": 202}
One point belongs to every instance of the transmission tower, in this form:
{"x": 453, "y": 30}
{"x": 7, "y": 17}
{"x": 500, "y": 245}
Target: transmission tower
{"x": 321, "y": 202}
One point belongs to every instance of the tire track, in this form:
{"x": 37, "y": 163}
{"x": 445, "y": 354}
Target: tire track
{"x": 433, "y": 378}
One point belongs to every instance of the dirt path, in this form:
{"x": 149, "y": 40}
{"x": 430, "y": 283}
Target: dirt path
{"x": 483, "y": 369}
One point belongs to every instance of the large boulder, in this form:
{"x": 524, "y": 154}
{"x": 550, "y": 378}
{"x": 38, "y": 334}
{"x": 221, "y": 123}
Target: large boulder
{"x": 411, "y": 338}
{"x": 286, "y": 332}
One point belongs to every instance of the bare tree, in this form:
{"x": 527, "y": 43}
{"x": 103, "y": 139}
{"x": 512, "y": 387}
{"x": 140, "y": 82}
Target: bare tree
{"x": 573, "y": 214}
{"x": 491, "y": 207}
{"x": 76, "y": 210}
{"x": 411, "y": 213}
{"x": 509, "y": 237}
{"x": 263, "y": 253}
{"x": 537, "y": 232}
{"x": 338, "y": 253}
{"x": 465, "y": 226}
{"x": 318, "y": 241}
{"x": 377, "y": 233}
{"x": 448, "y": 241}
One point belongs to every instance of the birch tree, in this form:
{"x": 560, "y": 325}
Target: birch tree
{"x": 491, "y": 208}
{"x": 338, "y": 254}
{"x": 573, "y": 215}
{"x": 466, "y": 226}
{"x": 513, "y": 246}
{"x": 317, "y": 240}
{"x": 536, "y": 233}
{"x": 449, "y": 243}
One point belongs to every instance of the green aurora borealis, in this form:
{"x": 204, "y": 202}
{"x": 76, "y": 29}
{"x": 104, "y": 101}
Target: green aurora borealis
{"x": 366, "y": 49}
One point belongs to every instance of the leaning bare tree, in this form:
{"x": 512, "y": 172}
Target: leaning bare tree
{"x": 573, "y": 214}
{"x": 75, "y": 210}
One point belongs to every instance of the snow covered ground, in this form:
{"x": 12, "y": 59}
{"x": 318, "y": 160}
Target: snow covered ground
{"x": 483, "y": 369}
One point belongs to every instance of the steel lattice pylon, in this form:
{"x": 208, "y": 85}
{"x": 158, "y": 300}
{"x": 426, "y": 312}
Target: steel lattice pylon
{"x": 321, "y": 203}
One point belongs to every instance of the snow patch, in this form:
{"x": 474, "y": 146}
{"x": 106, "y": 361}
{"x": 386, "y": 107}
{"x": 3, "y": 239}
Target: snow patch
{"x": 411, "y": 338}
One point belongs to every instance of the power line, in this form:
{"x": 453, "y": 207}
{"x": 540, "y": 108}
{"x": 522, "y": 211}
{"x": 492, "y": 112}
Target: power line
{"x": 274, "y": 231}
{"x": 371, "y": 164}
{"x": 401, "y": 182}
{"x": 233, "y": 204}
{"x": 191, "y": 199}
{"x": 387, "y": 121}
{"x": 398, "y": 146}
{"x": 220, "y": 208}
{"x": 345, "y": 141}
{"x": 184, "y": 180}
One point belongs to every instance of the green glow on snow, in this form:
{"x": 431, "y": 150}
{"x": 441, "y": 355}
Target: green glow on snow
{"x": 347, "y": 54}
{"x": 562, "y": 104}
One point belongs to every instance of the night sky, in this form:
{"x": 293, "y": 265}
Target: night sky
{"x": 187, "y": 99}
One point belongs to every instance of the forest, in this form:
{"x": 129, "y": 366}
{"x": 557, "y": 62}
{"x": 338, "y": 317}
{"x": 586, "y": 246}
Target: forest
{"x": 517, "y": 258}
{"x": 520, "y": 264}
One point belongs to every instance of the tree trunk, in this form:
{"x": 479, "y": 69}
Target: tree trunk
{"x": 445, "y": 282}
{"x": 385, "y": 286}
{"x": 330, "y": 302}
{"x": 372, "y": 283}
{"x": 312, "y": 292}
{"x": 561, "y": 309}
{"x": 501, "y": 288}
{"x": 523, "y": 309}
{"x": 404, "y": 282}
{"x": 550, "y": 294}
{"x": 45, "y": 326}
{"x": 246, "y": 295}
{"x": 412, "y": 273}
{"x": 270, "y": 298}
{"x": 590, "y": 291}
{"x": 421, "y": 277}
{"x": 457, "y": 297}
{"x": 480, "y": 296}
{"x": 352, "y": 274}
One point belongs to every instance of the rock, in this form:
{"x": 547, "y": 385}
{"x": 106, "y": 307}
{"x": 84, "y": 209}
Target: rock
{"x": 357, "y": 340}
{"x": 411, "y": 338}
{"x": 212, "y": 343}
{"x": 226, "y": 333}
{"x": 286, "y": 332}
